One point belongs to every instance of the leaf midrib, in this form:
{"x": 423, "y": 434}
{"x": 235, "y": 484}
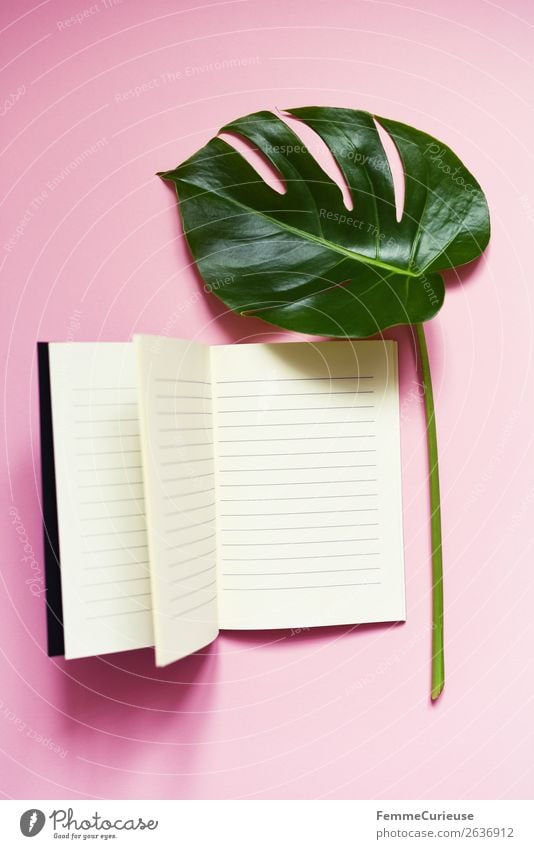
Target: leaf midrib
{"x": 309, "y": 236}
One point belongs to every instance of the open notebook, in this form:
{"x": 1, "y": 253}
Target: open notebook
{"x": 189, "y": 488}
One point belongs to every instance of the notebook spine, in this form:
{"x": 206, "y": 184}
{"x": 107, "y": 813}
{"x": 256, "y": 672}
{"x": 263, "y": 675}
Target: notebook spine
{"x": 54, "y": 605}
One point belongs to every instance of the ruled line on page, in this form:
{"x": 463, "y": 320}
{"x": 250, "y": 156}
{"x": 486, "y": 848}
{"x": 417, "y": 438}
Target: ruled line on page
{"x": 114, "y": 516}
{"x": 188, "y": 477}
{"x": 116, "y": 388}
{"x": 305, "y": 572}
{"x": 303, "y": 557}
{"x": 114, "y": 451}
{"x": 181, "y": 445}
{"x": 109, "y": 435}
{"x": 193, "y": 592}
{"x": 180, "y": 380}
{"x": 179, "y": 429}
{"x": 196, "y": 607}
{"x": 312, "y": 587}
{"x": 114, "y": 531}
{"x": 120, "y": 548}
{"x": 176, "y": 495}
{"x": 107, "y": 404}
{"x": 181, "y": 412}
{"x": 106, "y": 421}
{"x": 302, "y": 497}
{"x": 304, "y": 527}
{"x": 299, "y": 394}
{"x": 298, "y": 483}
{"x": 326, "y": 408}
{"x": 100, "y": 485}
{"x": 300, "y": 512}
{"x": 118, "y": 581}
{"x": 188, "y": 527}
{"x": 116, "y": 598}
{"x": 194, "y": 575}
{"x": 291, "y": 424}
{"x": 189, "y": 543}
{"x": 190, "y": 509}
{"x": 302, "y": 438}
{"x": 299, "y": 379}
{"x": 117, "y": 565}
{"x": 106, "y": 501}
{"x": 298, "y": 542}
{"x": 190, "y": 461}
{"x": 121, "y": 613}
{"x": 299, "y": 468}
{"x": 111, "y": 469}
{"x": 182, "y": 397}
{"x": 191, "y": 559}
{"x": 297, "y": 453}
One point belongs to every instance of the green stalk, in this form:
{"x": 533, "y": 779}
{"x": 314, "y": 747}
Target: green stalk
{"x": 438, "y": 663}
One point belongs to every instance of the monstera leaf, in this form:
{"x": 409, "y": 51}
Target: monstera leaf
{"x": 303, "y": 261}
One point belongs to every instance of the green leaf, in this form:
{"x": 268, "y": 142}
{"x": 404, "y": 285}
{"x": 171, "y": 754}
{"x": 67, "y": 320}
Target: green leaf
{"x": 301, "y": 260}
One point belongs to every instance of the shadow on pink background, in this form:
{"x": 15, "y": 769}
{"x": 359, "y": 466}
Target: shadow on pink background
{"x": 91, "y": 249}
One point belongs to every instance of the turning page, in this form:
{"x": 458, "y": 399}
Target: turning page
{"x": 177, "y": 449}
{"x": 102, "y": 532}
{"x": 309, "y": 518}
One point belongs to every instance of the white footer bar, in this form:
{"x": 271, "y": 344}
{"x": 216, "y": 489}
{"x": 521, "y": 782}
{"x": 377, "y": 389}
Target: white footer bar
{"x": 268, "y": 824}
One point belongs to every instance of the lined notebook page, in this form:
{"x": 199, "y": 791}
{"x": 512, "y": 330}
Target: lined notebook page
{"x": 308, "y": 484}
{"x": 102, "y": 532}
{"x": 177, "y": 440}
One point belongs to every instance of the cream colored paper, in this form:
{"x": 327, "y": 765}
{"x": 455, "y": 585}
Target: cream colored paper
{"x": 308, "y": 484}
{"x": 177, "y": 449}
{"x": 269, "y": 476}
{"x": 102, "y": 532}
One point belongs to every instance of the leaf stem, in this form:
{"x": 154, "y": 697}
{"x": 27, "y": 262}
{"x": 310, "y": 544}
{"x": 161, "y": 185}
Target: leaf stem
{"x": 438, "y": 664}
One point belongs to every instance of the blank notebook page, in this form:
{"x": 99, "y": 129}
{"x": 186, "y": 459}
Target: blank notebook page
{"x": 309, "y": 517}
{"x": 102, "y": 531}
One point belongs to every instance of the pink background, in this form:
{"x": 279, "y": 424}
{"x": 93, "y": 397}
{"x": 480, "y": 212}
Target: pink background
{"x": 341, "y": 713}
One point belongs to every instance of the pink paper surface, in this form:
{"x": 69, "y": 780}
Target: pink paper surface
{"x": 91, "y": 249}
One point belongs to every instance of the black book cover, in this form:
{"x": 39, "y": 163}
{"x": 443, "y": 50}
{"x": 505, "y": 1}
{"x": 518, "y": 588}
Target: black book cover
{"x": 54, "y": 605}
